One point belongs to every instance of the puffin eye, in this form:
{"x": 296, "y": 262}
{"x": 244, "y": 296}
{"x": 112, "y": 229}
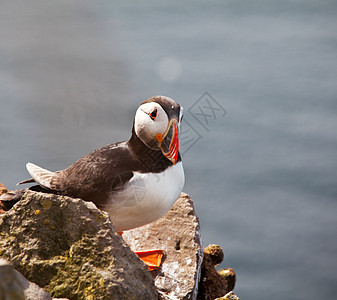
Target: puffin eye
{"x": 153, "y": 114}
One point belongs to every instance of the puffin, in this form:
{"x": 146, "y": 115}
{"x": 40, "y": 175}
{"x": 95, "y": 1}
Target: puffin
{"x": 136, "y": 181}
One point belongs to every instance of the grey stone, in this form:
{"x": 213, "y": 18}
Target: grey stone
{"x": 71, "y": 249}
{"x": 14, "y": 286}
{"x": 178, "y": 234}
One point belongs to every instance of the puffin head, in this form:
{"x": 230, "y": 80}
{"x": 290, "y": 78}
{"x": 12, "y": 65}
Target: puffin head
{"x": 156, "y": 124}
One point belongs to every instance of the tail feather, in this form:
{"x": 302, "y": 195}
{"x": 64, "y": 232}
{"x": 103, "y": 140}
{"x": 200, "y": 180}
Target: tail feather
{"x": 31, "y": 180}
{"x": 42, "y": 176}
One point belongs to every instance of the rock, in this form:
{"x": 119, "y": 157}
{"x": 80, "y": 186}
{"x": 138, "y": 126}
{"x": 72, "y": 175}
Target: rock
{"x": 14, "y": 286}
{"x": 214, "y": 254}
{"x": 71, "y": 249}
{"x": 3, "y": 189}
{"x": 178, "y": 234}
{"x": 229, "y": 275}
{"x": 214, "y": 284}
{"x": 9, "y": 199}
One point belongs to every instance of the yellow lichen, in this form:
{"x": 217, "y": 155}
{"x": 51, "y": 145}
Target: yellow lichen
{"x": 101, "y": 282}
{"x": 27, "y": 268}
{"x": 88, "y": 293}
{"x": 100, "y": 218}
{"x": 46, "y": 203}
{"x": 37, "y": 212}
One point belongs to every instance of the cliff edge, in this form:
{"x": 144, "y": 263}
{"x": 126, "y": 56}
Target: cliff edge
{"x": 67, "y": 248}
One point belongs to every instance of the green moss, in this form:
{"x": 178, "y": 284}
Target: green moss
{"x": 76, "y": 280}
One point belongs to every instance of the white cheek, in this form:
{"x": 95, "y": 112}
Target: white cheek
{"x": 146, "y": 128}
{"x": 140, "y": 122}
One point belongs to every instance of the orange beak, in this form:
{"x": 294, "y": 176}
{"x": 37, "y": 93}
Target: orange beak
{"x": 170, "y": 142}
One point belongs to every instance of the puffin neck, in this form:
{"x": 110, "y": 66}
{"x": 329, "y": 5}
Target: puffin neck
{"x": 151, "y": 160}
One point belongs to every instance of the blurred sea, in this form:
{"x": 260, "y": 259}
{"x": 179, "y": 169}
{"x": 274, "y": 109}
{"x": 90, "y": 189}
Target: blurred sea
{"x": 263, "y": 176}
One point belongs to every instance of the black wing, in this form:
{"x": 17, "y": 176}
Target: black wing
{"x": 96, "y": 176}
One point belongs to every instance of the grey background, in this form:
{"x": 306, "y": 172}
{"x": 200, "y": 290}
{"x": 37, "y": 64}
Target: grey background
{"x": 263, "y": 178}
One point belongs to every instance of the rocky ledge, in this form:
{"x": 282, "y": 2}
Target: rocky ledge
{"x": 57, "y": 246}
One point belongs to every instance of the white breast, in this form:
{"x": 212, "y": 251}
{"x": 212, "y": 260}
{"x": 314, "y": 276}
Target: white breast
{"x": 145, "y": 198}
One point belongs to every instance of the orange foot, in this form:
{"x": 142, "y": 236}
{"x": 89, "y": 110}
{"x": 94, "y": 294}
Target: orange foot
{"x": 152, "y": 258}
